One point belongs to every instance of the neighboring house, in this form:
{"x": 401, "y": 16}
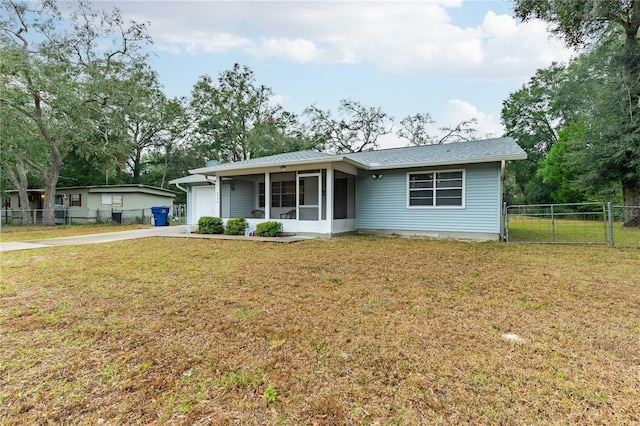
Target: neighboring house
{"x": 201, "y": 196}
{"x": 82, "y": 204}
{"x": 444, "y": 191}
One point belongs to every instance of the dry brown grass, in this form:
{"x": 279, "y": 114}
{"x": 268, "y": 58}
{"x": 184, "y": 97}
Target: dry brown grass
{"x": 351, "y": 330}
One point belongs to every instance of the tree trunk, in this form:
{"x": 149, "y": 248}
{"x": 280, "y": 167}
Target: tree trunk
{"x": 50, "y": 182}
{"x": 137, "y": 167}
{"x": 631, "y": 197}
{"x": 48, "y": 213}
{"x": 21, "y": 183}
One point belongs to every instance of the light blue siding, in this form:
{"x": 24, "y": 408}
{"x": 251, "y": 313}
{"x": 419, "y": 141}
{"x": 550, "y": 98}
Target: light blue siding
{"x": 242, "y": 198}
{"x": 382, "y": 203}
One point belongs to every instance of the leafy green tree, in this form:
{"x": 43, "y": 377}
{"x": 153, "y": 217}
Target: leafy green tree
{"x": 616, "y": 137}
{"x": 149, "y": 122}
{"x": 562, "y": 168}
{"x": 531, "y": 116}
{"x": 57, "y": 76}
{"x": 236, "y": 119}
{"x": 18, "y": 140}
{"x": 357, "y": 129}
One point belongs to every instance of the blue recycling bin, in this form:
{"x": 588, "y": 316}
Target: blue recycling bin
{"x": 160, "y": 215}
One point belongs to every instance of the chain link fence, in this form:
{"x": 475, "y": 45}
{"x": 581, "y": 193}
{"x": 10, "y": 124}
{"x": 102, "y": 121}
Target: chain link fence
{"x": 71, "y": 216}
{"x": 576, "y": 223}
{"x": 76, "y": 216}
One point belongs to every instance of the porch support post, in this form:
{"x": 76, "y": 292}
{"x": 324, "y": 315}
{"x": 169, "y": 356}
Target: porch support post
{"x": 329, "y": 197}
{"x": 218, "y": 196}
{"x": 267, "y": 195}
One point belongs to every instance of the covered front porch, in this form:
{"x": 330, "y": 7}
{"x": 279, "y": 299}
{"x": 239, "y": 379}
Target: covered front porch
{"x": 311, "y": 200}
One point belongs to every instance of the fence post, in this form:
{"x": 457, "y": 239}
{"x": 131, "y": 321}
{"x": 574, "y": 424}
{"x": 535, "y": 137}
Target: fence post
{"x": 610, "y": 217}
{"x": 553, "y": 226}
{"x": 505, "y": 223}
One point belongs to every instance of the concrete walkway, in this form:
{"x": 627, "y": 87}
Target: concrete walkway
{"x": 107, "y": 237}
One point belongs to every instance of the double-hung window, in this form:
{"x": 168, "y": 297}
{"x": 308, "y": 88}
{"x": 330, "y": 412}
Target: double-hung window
{"x": 435, "y": 189}
{"x": 113, "y": 200}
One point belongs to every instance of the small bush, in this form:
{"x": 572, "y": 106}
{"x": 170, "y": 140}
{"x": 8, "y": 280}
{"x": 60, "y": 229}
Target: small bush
{"x": 236, "y": 226}
{"x": 268, "y": 229}
{"x": 210, "y": 225}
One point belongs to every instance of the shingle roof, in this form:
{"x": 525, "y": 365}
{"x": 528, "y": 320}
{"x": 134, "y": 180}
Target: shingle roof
{"x": 479, "y": 151}
{"x": 278, "y": 159}
{"x": 451, "y": 153}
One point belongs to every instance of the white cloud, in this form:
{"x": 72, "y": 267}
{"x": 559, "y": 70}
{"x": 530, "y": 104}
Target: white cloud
{"x": 276, "y": 100}
{"x": 519, "y": 49}
{"x": 456, "y": 111}
{"x": 201, "y": 41}
{"x": 416, "y": 38}
{"x": 295, "y": 50}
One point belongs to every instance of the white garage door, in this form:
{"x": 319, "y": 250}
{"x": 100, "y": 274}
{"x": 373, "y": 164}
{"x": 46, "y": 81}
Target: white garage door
{"x": 204, "y": 200}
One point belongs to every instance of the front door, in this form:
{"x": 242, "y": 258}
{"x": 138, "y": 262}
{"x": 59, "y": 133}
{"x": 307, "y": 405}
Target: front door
{"x": 309, "y": 196}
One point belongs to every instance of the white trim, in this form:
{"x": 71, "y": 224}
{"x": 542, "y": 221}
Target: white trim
{"x": 435, "y": 189}
{"x": 273, "y": 166}
{"x": 318, "y": 206}
{"x": 447, "y": 163}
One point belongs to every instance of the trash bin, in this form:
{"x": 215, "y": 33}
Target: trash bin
{"x": 116, "y": 217}
{"x": 59, "y": 214}
{"x": 160, "y": 215}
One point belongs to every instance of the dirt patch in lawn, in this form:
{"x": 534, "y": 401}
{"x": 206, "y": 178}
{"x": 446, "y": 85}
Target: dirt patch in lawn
{"x": 353, "y": 330}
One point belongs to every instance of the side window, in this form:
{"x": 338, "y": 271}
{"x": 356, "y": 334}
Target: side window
{"x": 113, "y": 200}
{"x": 75, "y": 200}
{"x": 435, "y": 189}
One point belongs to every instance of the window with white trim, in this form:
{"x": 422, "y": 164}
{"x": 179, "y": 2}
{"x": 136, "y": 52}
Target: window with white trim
{"x": 113, "y": 200}
{"x": 435, "y": 189}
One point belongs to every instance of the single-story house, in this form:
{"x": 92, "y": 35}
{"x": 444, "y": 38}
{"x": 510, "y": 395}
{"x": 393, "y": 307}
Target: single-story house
{"x": 444, "y": 191}
{"x": 98, "y": 203}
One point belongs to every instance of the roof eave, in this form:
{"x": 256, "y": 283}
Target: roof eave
{"x": 446, "y": 163}
{"x": 212, "y": 171}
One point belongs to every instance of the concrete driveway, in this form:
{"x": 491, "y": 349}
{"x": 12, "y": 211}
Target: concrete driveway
{"x": 106, "y": 237}
{"x": 159, "y": 231}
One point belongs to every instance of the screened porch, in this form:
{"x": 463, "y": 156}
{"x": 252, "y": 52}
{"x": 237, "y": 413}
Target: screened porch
{"x": 305, "y": 201}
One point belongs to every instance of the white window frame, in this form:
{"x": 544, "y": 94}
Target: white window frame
{"x": 435, "y": 189}
{"x": 109, "y": 197}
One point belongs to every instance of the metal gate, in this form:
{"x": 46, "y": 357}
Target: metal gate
{"x": 577, "y": 223}
{"x": 574, "y": 223}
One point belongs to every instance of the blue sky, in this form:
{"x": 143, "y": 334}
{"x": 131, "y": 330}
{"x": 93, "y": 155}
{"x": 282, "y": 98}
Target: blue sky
{"x": 453, "y": 59}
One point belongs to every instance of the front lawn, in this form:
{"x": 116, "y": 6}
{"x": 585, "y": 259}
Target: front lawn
{"x": 353, "y": 330}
